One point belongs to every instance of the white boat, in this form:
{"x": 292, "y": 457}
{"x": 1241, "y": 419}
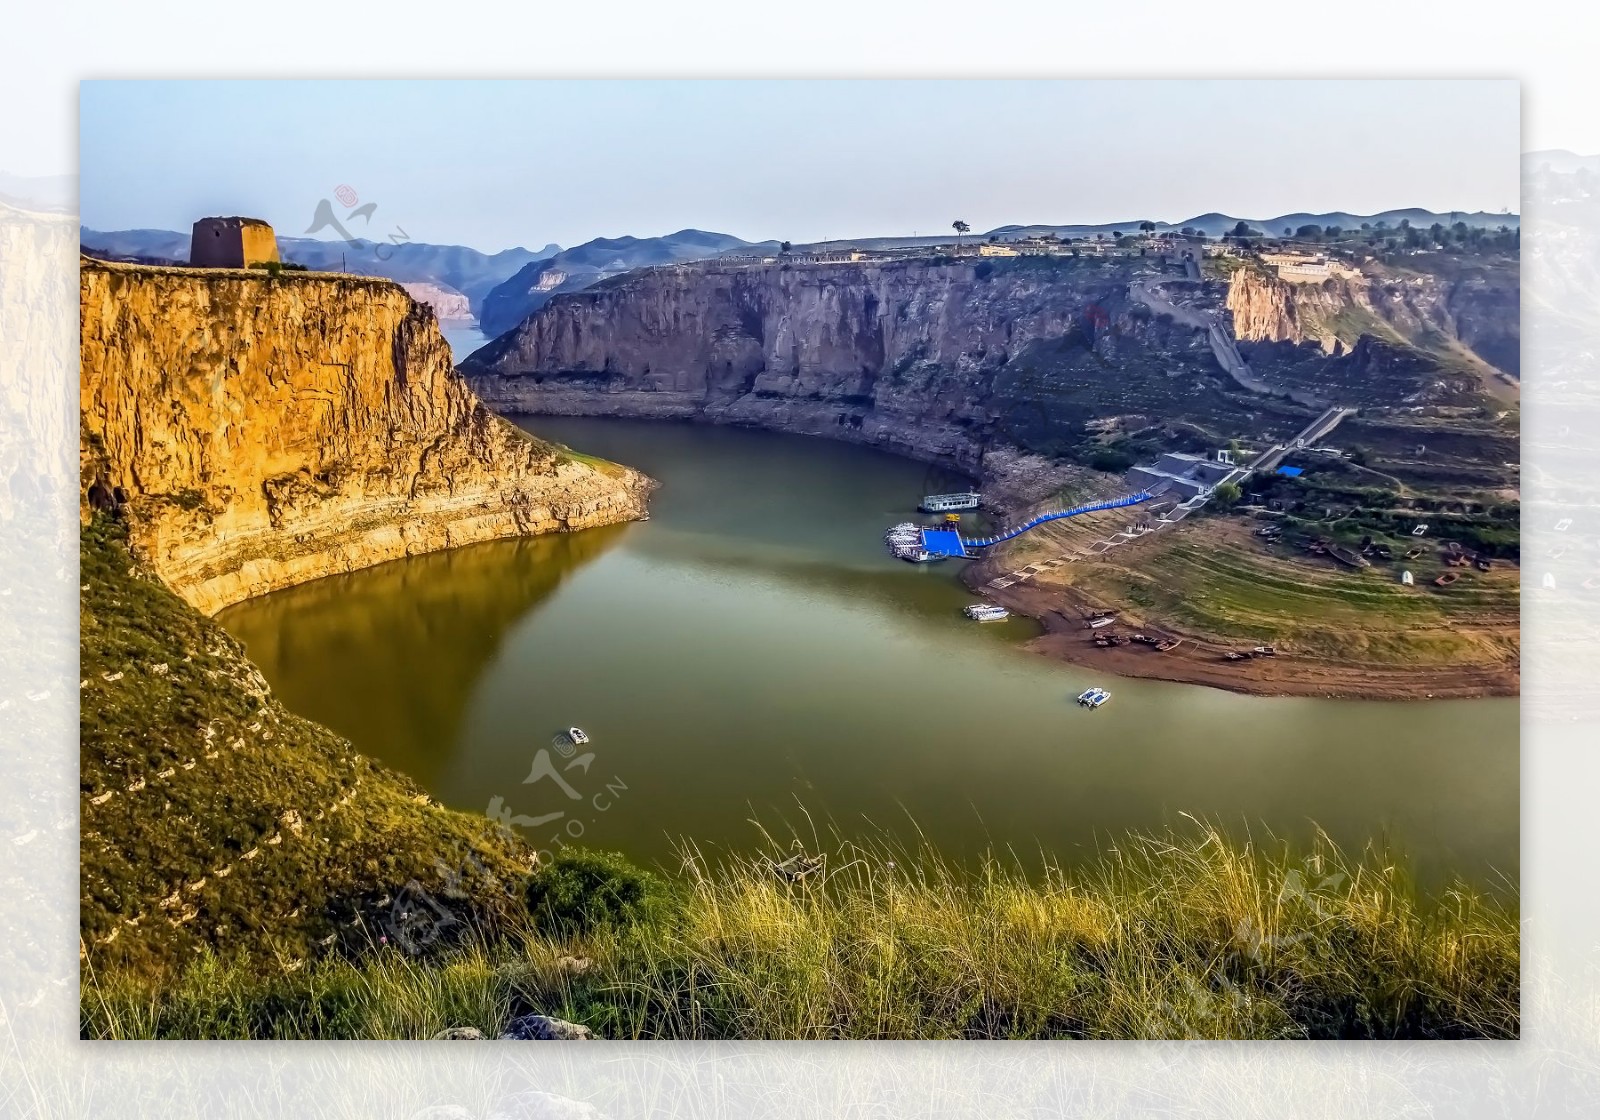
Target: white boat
{"x": 985, "y": 612}
{"x": 921, "y": 556}
{"x": 577, "y": 735}
{"x": 1099, "y": 622}
{"x": 1093, "y": 697}
{"x": 941, "y": 503}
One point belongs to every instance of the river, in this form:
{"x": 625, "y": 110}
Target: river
{"x": 751, "y": 653}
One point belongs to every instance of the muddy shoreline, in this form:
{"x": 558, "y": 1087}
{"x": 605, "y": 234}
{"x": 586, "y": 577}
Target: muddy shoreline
{"x": 1064, "y": 614}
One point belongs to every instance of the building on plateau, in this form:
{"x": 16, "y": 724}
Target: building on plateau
{"x": 232, "y": 243}
{"x": 1178, "y": 473}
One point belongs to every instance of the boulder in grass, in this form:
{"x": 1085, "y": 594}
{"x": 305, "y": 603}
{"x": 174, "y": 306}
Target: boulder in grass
{"x": 459, "y": 1034}
{"x": 543, "y": 1028}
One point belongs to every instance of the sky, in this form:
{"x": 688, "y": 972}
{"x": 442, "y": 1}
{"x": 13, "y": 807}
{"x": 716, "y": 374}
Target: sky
{"x": 498, "y": 164}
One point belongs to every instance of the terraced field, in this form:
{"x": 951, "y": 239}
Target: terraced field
{"x": 1212, "y": 580}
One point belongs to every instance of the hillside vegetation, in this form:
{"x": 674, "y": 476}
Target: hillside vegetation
{"x": 1186, "y": 935}
{"x": 215, "y": 819}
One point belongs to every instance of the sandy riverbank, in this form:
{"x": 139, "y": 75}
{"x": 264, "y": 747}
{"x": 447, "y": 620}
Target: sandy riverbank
{"x": 1064, "y": 613}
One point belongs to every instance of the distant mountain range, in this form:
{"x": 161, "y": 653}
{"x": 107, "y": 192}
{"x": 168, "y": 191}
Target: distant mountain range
{"x": 576, "y": 268}
{"x": 1215, "y": 225}
{"x": 502, "y": 289}
{"x": 1559, "y": 161}
{"x": 56, "y": 194}
{"x": 455, "y": 268}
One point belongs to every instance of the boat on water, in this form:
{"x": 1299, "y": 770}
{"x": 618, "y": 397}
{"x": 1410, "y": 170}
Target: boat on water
{"x": 1093, "y": 697}
{"x": 985, "y": 612}
{"x": 577, "y": 735}
{"x": 920, "y": 555}
{"x": 943, "y": 503}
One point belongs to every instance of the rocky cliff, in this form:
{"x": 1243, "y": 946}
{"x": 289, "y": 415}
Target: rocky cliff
{"x": 1471, "y": 306}
{"x": 263, "y": 431}
{"x": 938, "y": 359}
{"x": 447, "y": 303}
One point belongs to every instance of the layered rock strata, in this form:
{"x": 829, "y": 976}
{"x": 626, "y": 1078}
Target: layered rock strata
{"x": 262, "y": 431}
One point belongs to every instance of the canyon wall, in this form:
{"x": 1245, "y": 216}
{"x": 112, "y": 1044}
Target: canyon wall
{"x": 1473, "y": 307}
{"x": 447, "y": 303}
{"x": 936, "y": 359}
{"x": 264, "y": 431}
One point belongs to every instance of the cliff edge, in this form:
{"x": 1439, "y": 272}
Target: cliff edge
{"x": 266, "y": 430}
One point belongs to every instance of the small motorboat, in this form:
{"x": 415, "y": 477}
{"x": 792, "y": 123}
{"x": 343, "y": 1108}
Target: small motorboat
{"x": 985, "y": 612}
{"x": 578, "y": 735}
{"x": 1093, "y": 697}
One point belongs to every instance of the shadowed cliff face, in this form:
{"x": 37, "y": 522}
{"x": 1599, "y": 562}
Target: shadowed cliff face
{"x": 936, "y": 360}
{"x": 268, "y": 431}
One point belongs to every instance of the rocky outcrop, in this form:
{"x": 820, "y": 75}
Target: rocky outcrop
{"x": 447, "y": 303}
{"x": 1473, "y": 306}
{"x": 574, "y": 269}
{"x": 263, "y": 431}
{"x": 936, "y": 359}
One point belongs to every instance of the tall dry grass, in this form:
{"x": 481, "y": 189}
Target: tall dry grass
{"x": 1183, "y": 935}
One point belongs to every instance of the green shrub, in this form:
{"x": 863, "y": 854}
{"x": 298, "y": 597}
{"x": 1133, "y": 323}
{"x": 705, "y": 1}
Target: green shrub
{"x": 581, "y": 890}
{"x": 1110, "y": 460}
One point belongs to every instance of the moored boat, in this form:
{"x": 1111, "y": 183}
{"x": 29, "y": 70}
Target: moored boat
{"x": 941, "y": 503}
{"x": 1093, "y": 697}
{"x": 985, "y": 612}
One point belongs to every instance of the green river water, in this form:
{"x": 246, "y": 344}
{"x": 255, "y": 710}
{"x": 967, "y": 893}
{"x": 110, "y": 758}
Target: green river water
{"x": 752, "y": 653}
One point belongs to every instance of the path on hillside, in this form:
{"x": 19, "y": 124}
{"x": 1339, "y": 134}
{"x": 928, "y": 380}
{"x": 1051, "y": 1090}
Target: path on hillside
{"x": 1223, "y": 346}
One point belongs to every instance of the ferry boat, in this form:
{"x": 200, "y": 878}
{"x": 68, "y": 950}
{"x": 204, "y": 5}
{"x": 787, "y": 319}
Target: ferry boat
{"x": 985, "y": 612}
{"x": 1093, "y": 697}
{"x": 920, "y": 555}
{"x": 577, "y": 735}
{"x": 942, "y": 503}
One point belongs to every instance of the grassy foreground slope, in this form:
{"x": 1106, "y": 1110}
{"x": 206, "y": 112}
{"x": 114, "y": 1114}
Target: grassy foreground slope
{"x": 1184, "y": 936}
{"x": 213, "y": 819}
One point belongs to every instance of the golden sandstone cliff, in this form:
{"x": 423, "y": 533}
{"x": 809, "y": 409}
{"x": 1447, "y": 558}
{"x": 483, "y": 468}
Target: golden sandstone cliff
{"x": 264, "y": 431}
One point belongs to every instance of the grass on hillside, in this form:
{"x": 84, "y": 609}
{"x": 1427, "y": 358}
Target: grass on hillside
{"x": 212, "y": 818}
{"x": 1212, "y": 578}
{"x": 1186, "y": 935}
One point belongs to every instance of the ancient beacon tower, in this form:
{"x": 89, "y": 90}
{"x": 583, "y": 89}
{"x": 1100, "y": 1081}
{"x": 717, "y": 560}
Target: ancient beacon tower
{"x": 232, "y": 243}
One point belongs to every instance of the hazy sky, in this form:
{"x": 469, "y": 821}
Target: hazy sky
{"x": 496, "y": 164}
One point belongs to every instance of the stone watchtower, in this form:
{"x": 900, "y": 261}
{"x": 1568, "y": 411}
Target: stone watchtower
{"x": 232, "y": 243}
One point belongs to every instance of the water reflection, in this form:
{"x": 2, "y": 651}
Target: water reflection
{"x": 390, "y": 655}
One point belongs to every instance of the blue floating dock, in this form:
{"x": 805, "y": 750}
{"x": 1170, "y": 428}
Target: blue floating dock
{"x": 943, "y": 542}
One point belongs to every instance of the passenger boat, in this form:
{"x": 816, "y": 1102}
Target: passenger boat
{"x": 1093, "y": 697}
{"x": 942, "y": 503}
{"x": 577, "y": 735}
{"x": 985, "y": 612}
